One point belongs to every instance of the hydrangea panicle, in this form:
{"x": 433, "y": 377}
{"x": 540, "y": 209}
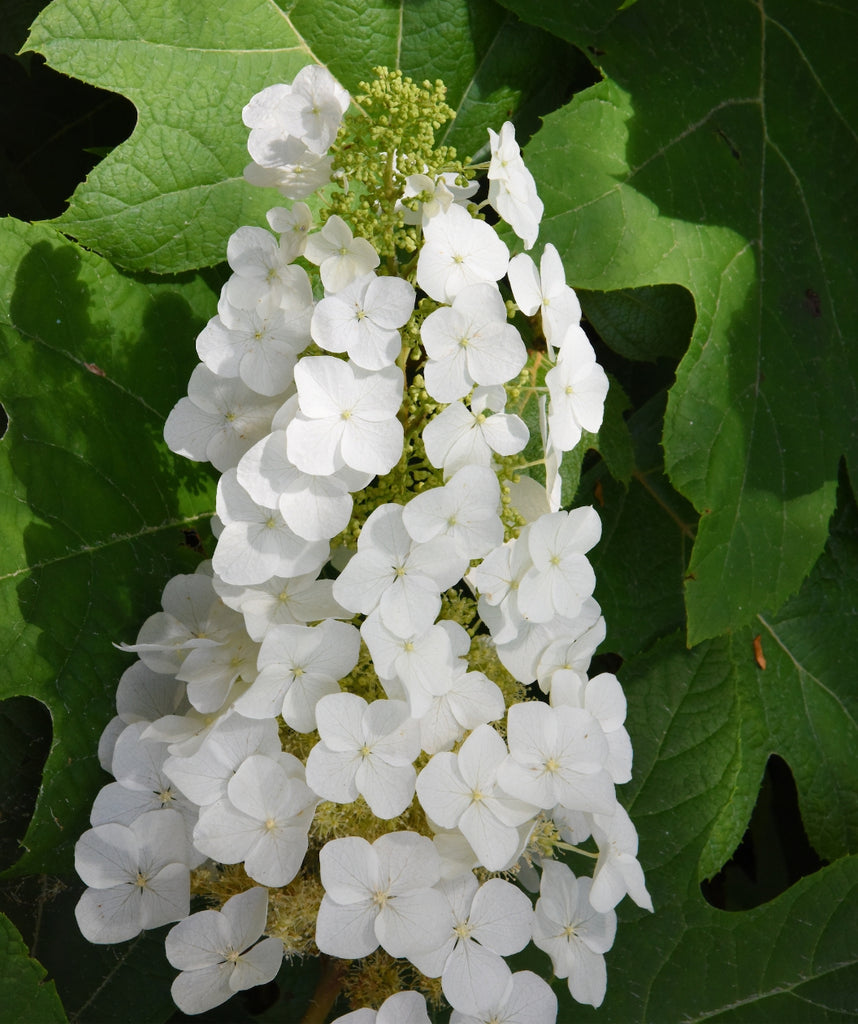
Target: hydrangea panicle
{"x": 377, "y": 695}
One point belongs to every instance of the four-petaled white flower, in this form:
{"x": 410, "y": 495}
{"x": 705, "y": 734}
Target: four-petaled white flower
{"x": 363, "y": 319}
{"x": 470, "y": 342}
{"x": 347, "y": 417}
{"x": 137, "y": 876}
{"x": 572, "y": 932}
{"x": 379, "y": 895}
{"x": 458, "y": 251}
{"x": 219, "y": 952}
{"x": 556, "y": 756}
{"x": 339, "y": 256}
{"x": 577, "y": 386}
{"x": 461, "y": 791}
{"x": 365, "y": 749}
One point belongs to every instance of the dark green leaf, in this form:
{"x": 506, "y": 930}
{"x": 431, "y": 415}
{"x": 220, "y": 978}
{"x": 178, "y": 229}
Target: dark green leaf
{"x": 642, "y": 323}
{"x": 721, "y": 171}
{"x": 647, "y": 533}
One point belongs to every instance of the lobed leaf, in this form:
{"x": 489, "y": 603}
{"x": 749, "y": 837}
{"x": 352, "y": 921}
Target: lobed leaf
{"x": 168, "y": 198}
{"x": 708, "y": 174}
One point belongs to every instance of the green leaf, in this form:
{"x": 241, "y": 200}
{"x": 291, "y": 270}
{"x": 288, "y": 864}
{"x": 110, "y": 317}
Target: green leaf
{"x": 642, "y": 324}
{"x": 168, "y": 198}
{"x": 484, "y": 55}
{"x": 24, "y": 995}
{"x": 647, "y": 533}
{"x": 92, "y": 505}
{"x": 702, "y": 175}
{"x": 808, "y": 692}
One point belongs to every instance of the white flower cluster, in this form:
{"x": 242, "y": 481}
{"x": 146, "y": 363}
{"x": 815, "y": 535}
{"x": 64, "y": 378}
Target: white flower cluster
{"x": 329, "y": 390}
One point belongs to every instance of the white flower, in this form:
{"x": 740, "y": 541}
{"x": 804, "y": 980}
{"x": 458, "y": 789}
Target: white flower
{"x": 572, "y": 933}
{"x": 395, "y": 574}
{"x": 254, "y": 253}
{"x": 256, "y": 543}
{"x": 507, "y": 998}
{"x": 470, "y": 343}
{"x": 617, "y": 869}
{"x": 314, "y": 507}
{"x": 465, "y": 508}
{"x": 577, "y": 387}
{"x": 471, "y": 699}
{"x": 364, "y": 749}
{"x": 292, "y": 226}
{"x": 460, "y": 791}
{"x": 210, "y": 672}
{"x": 457, "y": 251}
{"x": 400, "y": 1008}
{"x": 296, "y": 172}
{"x": 313, "y": 108}
{"x": 459, "y": 436}
{"x": 141, "y": 786}
{"x": 258, "y": 332}
{"x": 562, "y": 669}
{"x": 561, "y": 577}
{"x": 203, "y": 776}
{"x": 545, "y": 290}
{"x": 282, "y": 601}
{"x": 444, "y": 191}
{"x": 219, "y": 420}
{"x": 339, "y": 256}
{"x": 363, "y": 319}
{"x": 484, "y": 923}
{"x": 215, "y": 951}
{"x": 348, "y": 415}
{"x": 298, "y": 665}
{"x": 521, "y": 649}
{"x": 422, "y": 662}
{"x": 137, "y": 876}
{"x": 193, "y": 616}
{"x": 497, "y": 578}
{"x": 556, "y": 756}
{"x": 379, "y": 894}
{"x": 512, "y": 190}
{"x": 262, "y": 820}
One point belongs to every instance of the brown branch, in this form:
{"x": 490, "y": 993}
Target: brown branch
{"x": 327, "y": 990}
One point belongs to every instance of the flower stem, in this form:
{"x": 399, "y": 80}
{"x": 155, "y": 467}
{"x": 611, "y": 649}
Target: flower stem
{"x": 327, "y": 990}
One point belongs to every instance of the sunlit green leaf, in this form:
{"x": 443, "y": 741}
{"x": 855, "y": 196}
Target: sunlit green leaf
{"x": 168, "y": 198}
